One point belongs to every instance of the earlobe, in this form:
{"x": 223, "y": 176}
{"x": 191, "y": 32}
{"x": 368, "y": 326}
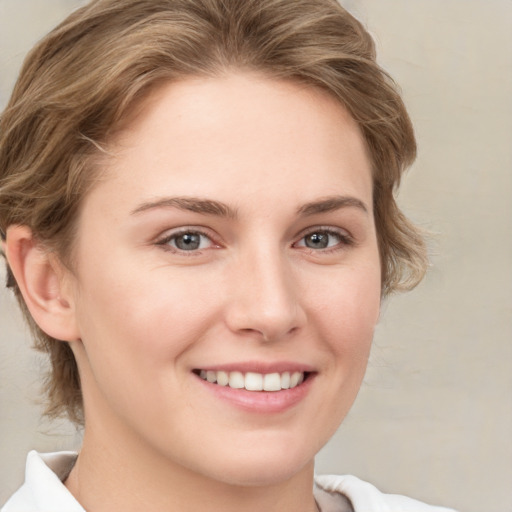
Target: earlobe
{"x": 43, "y": 282}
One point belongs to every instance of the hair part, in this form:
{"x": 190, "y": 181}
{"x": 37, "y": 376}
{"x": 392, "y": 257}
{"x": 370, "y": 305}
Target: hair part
{"x": 84, "y": 79}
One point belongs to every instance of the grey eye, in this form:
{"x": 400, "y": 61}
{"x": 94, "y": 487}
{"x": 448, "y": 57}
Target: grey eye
{"x": 319, "y": 240}
{"x": 187, "y": 241}
{"x": 325, "y": 239}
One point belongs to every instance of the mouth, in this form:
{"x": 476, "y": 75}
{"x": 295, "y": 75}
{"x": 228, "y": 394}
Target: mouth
{"x": 252, "y": 381}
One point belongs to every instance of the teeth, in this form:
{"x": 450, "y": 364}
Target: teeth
{"x": 252, "y": 381}
{"x": 272, "y": 382}
{"x": 222, "y": 378}
{"x": 285, "y": 380}
{"x": 236, "y": 380}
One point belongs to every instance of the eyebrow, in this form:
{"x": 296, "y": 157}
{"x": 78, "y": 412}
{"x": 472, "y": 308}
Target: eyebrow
{"x": 331, "y": 203}
{"x": 212, "y": 207}
{"x": 192, "y": 204}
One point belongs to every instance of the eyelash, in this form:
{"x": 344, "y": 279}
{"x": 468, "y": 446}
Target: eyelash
{"x": 345, "y": 240}
{"x": 166, "y": 241}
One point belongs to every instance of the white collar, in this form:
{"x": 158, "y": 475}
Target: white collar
{"x": 43, "y": 490}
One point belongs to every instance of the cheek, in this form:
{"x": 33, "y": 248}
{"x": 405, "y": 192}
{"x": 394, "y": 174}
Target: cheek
{"x": 143, "y": 317}
{"x": 134, "y": 332}
{"x": 138, "y": 329}
{"x": 348, "y": 306}
{"x": 345, "y": 315}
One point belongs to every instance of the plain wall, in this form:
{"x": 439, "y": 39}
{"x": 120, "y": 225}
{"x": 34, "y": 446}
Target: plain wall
{"x": 434, "y": 417}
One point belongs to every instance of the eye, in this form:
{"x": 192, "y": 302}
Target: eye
{"x": 324, "y": 239}
{"x": 188, "y": 241}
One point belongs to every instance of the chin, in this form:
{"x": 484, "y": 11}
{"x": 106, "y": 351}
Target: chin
{"x": 261, "y": 466}
{"x": 264, "y": 474}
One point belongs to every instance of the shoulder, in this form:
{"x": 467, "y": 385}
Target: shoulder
{"x": 364, "y": 497}
{"x": 43, "y": 489}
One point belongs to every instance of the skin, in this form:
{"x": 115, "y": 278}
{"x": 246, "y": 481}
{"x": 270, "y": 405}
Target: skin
{"x": 141, "y": 314}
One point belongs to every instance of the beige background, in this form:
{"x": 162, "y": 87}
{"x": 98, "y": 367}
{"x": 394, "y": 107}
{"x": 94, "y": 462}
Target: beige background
{"x": 434, "y": 417}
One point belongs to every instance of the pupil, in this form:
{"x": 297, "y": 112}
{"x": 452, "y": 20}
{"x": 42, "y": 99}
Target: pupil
{"x": 188, "y": 241}
{"x": 317, "y": 240}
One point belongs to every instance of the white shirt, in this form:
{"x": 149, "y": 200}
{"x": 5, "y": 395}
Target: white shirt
{"x": 43, "y": 491}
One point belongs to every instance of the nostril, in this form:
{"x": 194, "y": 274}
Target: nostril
{"x": 265, "y": 308}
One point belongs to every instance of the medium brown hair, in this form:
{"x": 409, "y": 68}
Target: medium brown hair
{"x": 78, "y": 84}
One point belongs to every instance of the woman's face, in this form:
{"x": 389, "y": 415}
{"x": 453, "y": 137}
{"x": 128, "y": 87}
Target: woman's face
{"x": 231, "y": 237}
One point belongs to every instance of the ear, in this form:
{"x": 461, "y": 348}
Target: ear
{"x": 44, "y": 283}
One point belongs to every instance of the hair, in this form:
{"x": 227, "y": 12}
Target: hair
{"x": 80, "y": 82}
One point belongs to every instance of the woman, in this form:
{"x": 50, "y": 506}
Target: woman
{"x": 198, "y": 219}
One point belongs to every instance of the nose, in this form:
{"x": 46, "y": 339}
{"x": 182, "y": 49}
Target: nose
{"x": 263, "y": 298}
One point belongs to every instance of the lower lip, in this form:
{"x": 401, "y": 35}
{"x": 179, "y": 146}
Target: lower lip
{"x": 270, "y": 402}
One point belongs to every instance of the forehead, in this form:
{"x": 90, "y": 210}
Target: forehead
{"x": 242, "y": 133}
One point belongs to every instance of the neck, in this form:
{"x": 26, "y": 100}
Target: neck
{"x": 124, "y": 475}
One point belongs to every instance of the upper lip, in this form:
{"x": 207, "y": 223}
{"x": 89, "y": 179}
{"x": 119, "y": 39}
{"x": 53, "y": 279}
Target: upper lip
{"x": 260, "y": 367}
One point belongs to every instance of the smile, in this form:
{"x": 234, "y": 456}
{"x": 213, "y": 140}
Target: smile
{"x": 252, "y": 381}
